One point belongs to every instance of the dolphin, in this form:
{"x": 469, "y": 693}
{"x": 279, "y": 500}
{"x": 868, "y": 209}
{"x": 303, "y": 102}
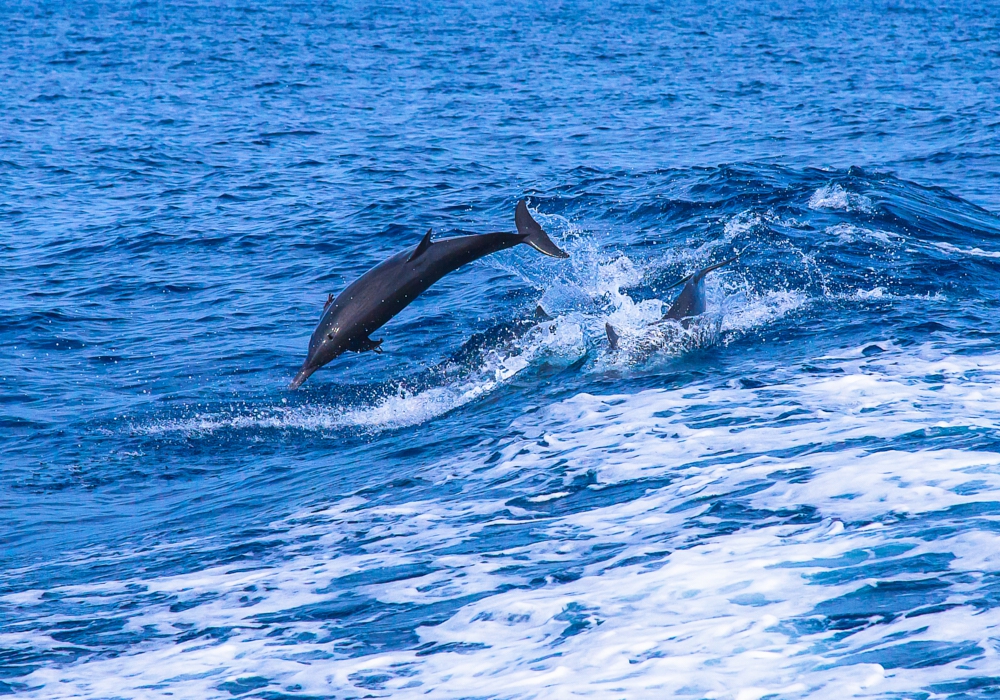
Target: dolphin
{"x": 688, "y": 304}
{"x": 691, "y": 301}
{"x": 369, "y": 302}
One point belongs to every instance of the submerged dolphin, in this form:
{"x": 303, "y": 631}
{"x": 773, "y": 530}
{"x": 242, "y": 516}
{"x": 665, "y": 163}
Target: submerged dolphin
{"x": 688, "y": 304}
{"x": 370, "y": 301}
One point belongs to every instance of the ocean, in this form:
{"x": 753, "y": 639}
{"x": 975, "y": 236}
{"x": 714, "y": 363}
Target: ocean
{"x": 798, "y": 497}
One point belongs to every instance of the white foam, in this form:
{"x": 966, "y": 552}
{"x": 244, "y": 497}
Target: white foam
{"x": 849, "y": 233}
{"x": 560, "y": 340}
{"x": 733, "y": 311}
{"x": 834, "y": 196}
{"x": 973, "y": 252}
{"x": 682, "y": 606}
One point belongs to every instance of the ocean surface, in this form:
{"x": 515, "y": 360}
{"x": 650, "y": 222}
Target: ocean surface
{"x": 798, "y": 497}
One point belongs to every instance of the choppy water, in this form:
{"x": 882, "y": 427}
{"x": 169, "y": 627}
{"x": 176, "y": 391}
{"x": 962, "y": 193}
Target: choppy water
{"x": 802, "y": 499}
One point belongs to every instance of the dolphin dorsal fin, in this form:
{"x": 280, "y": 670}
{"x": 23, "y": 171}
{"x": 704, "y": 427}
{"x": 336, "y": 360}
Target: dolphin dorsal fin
{"x": 425, "y": 243}
{"x": 612, "y": 336}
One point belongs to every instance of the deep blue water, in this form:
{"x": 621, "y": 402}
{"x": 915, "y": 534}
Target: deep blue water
{"x": 800, "y": 499}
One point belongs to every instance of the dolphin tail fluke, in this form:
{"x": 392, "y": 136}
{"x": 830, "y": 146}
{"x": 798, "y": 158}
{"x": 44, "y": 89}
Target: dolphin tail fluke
{"x": 533, "y": 233}
{"x": 612, "y": 336}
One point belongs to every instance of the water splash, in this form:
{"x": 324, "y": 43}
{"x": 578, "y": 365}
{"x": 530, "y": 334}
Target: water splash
{"x": 835, "y": 197}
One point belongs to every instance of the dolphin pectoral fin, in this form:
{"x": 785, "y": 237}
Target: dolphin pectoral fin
{"x": 612, "y": 336}
{"x": 422, "y": 247}
{"x": 533, "y": 233}
{"x": 365, "y": 344}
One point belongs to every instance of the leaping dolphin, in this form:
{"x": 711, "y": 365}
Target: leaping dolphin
{"x": 370, "y": 301}
{"x": 688, "y": 304}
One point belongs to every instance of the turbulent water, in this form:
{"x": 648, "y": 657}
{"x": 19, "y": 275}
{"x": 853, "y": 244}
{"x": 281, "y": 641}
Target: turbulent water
{"x": 797, "y": 497}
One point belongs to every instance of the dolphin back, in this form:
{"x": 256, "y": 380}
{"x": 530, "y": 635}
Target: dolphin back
{"x": 533, "y": 233}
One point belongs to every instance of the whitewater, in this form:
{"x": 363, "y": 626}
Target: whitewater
{"x": 796, "y": 497}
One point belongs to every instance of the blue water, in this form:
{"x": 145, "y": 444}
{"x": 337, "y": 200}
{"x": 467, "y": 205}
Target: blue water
{"x": 799, "y": 497}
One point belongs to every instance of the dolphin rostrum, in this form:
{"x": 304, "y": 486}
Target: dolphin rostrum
{"x": 370, "y": 301}
{"x": 688, "y": 304}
